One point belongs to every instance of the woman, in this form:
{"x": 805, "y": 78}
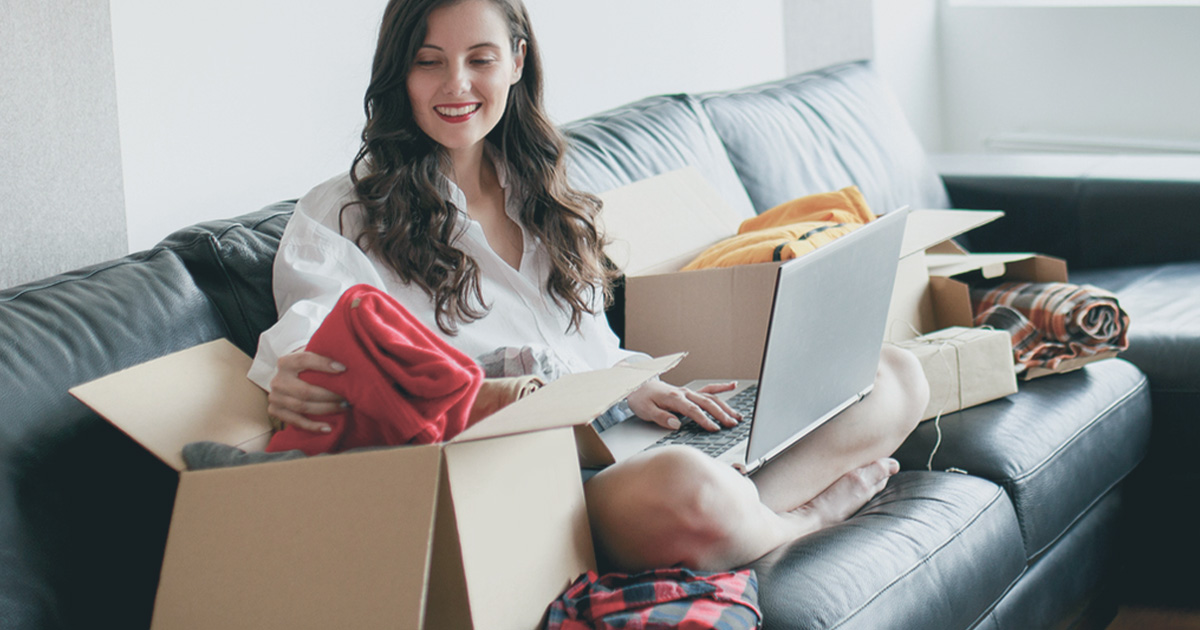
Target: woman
{"x": 458, "y": 206}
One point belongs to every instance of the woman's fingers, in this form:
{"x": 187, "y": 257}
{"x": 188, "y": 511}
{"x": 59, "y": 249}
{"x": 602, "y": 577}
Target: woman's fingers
{"x": 716, "y": 408}
{"x": 659, "y": 403}
{"x": 295, "y": 388}
{"x": 651, "y": 402}
{"x": 718, "y": 388}
{"x": 700, "y": 415}
{"x": 292, "y": 400}
{"x": 305, "y": 407}
{"x": 303, "y": 360}
{"x": 662, "y": 418}
{"x": 291, "y": 418}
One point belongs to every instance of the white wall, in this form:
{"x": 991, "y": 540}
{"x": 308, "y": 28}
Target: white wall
{"x": 1125, "y": 73}
{"x": 821, "y": 33}
{"x": 60, "y": 157}
{"x": 229, "y": 105}
{"x": 988, "y": 75}
{"x": 907, "y": 56}
{"x": 599, "y": 55}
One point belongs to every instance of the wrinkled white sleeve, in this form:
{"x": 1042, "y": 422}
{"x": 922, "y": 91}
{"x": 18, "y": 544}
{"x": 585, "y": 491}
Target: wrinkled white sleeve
{"x": 607, "y": 339}
{"x": 314, "y": 266}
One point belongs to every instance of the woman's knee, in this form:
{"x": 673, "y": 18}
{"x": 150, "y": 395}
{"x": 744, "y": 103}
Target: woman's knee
{"x": 665, "y": 507}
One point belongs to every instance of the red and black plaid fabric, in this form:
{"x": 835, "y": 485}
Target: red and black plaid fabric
{"x": 1053, "y": 321}
{"x": 659, "y": 600}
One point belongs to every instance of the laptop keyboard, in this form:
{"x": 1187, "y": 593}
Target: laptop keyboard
{"x": 715, "y": 443}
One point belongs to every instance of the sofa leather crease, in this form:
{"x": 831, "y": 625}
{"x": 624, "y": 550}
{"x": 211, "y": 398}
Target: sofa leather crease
{"x": 1043, "y": 509}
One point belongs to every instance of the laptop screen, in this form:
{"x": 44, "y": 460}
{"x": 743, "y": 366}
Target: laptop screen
{"x": 826, "y": 332}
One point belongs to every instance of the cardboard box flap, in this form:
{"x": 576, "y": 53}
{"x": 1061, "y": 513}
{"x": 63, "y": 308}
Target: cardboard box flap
{"x": 198, "y": 394}
{"x": 661, "y": 223}
{"x": 927, "y": 228}
{"x": 990, "y": 265}
{"x": 521, "y": 523}
{"x": 571, "y": 400}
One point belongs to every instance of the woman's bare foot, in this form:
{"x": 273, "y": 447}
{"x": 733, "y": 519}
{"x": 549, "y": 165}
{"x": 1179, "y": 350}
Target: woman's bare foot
{"x": 846, "y": 495}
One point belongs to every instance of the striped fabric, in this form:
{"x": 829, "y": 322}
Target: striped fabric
{"x": 658, "y": 600}
{"x": 789, "y": 230}
{"x": 1053, "y": 321}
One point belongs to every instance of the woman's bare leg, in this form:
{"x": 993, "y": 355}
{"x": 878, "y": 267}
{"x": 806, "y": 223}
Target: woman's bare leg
{"x": 676, "y": 506}
{"x": 867, "y": 431}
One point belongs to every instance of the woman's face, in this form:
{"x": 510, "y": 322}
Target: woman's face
{"x": 459, "y": 81}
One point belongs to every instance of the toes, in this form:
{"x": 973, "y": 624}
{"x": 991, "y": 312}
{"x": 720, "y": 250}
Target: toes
{"x": 878, "y": 471}
{"x": 872, "y": 478}
{"x": 891, "y": 465}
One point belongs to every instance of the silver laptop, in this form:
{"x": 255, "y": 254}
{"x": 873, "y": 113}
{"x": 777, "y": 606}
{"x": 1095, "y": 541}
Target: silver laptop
{"x": 822, "y": 351}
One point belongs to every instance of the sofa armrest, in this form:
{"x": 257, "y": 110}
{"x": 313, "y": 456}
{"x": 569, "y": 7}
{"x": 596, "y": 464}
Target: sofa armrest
{"x": 1093, "y": 210}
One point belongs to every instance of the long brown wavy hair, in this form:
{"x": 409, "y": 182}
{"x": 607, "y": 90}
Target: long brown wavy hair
{"x": 408, "y": 223}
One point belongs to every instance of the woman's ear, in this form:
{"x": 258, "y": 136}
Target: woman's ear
{"x": 518, "y": 60}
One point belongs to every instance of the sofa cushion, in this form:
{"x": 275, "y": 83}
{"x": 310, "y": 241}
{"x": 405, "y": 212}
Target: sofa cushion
{"x": 1164, "y": 315}
{"x": 231, "y": 261}
{"x": 893, "y": 564}
{"x": 83, "y": 509}
{"x": 1164, "y": 342}
{"x": 1073, "y": 570}
{"x": 651, "y": 137}
{"x": 1056, "y": 446}
{"x": 822, "y": 131}
{"x": 1095, "y": 210}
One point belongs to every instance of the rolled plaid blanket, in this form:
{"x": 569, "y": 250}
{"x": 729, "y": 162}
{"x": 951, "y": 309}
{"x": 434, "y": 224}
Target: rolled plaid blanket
{"x": 1053, "y": 321}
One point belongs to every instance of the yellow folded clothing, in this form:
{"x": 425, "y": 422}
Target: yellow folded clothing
{"x": 789, "y": 230}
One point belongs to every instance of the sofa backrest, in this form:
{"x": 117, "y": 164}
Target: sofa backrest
{"x": 652, "y": 136}
{"x": 83, "y": 509}
{"x": 231, "y": 261}
{"x": 821, "y": 131}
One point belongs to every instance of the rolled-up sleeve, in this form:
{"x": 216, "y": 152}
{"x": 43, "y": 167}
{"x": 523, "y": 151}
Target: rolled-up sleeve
{"x": 313, "y": 268}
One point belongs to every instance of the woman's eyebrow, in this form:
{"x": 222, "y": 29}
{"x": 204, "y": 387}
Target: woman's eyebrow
{"x": 479, "y": 45}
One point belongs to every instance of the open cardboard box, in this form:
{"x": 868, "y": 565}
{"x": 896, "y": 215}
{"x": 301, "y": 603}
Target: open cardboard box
{"x": 719, "y": 317}
{"x": 483, "y": 531}
{"x": 932, "y": 291}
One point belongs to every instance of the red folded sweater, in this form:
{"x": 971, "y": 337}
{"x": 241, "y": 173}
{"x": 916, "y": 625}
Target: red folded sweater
{"x": 403, "y": 383}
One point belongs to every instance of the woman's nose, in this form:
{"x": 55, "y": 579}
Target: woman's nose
{"x": 457, "y": 80}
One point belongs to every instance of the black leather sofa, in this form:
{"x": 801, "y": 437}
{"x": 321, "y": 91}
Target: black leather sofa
{"x": 1060, "y": 498}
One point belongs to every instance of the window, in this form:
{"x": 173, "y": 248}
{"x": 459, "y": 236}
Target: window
{"x": 1072, "y": 3}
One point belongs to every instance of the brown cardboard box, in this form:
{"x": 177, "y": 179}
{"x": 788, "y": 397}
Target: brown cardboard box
{"x": 931, "y": 290}
{"x": 718, "y": 317}
{"x": 965, "y": 367}
{"x": 427, "y": 536}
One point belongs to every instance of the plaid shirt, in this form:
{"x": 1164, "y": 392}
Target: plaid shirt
{"x": 1053, "y": 321}
{"x": 659, "y": 599}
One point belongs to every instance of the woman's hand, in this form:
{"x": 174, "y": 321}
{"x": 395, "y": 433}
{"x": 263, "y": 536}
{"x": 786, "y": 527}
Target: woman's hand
{"x": 291, "y": 399}
{"x": 658, "y": 402}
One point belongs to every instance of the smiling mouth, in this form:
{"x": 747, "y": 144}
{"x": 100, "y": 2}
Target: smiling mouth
{"x": 457, "y": 112}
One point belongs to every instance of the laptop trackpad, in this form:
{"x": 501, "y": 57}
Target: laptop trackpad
{"x": 632, "y": 436}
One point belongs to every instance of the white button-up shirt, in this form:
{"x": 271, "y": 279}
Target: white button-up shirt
{"x": 316, "y": 264}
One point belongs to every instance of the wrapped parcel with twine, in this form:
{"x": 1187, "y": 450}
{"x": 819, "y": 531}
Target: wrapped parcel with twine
{"x": 964, "y": 366}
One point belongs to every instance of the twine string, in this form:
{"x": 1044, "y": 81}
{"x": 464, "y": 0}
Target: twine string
{"x": 953, "y": 342}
